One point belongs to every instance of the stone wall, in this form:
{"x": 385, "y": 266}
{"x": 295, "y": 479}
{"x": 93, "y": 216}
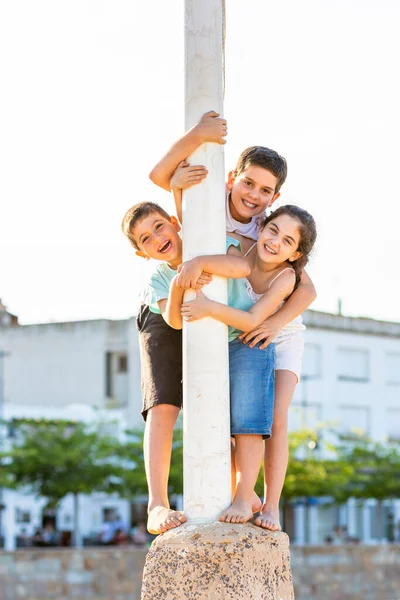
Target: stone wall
{"x": 320, "y": 573}
{"x": 67, "y": 574}
{"x": 348, "y": 572}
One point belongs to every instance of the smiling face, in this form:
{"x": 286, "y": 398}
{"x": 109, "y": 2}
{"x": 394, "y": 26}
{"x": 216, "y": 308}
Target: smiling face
{"x": 158, "y": 238}
{"x": 252, "y": 191}
{"x": 279, "y": 240}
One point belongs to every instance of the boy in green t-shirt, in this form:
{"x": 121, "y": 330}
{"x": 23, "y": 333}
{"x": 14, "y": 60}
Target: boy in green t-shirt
{"x": 155, "y": 234}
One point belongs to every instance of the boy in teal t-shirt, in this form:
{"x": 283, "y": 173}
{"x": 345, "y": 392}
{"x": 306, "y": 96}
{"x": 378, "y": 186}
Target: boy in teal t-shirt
{"x": 155, "y": 234}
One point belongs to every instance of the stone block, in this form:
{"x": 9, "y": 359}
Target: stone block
{"x": 218, "y": 561}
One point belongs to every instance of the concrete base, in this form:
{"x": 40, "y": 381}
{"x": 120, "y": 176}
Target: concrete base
{"x": 218, "y": 561}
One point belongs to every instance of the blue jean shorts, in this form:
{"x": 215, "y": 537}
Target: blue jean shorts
{"x": 252, "y": 388}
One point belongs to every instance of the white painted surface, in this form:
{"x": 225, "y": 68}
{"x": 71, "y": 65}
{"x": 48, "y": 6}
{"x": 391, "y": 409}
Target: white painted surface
{"x": 312, "y": 525}
{"x": 352, "y": 518}
{"x": 299, "y": 519}
{"x": 207, "y": 486}
{"x": 366, "y": 521}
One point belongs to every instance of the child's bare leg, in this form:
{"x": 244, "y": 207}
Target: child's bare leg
{"x": 159, "y": 428}
{"x": 276, "y": 451}
{"x": 248, "y": 457}
{"x": 255, "y": 502}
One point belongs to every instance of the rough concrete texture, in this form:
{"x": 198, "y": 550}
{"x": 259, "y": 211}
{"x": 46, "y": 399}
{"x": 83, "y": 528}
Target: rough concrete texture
{"x": 218, "y": 561}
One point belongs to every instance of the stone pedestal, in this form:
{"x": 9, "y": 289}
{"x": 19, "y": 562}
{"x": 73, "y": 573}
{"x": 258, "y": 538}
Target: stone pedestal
{"x": 218, "y": 561}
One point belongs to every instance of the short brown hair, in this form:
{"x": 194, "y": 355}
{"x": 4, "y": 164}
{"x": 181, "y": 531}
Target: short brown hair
{"x": 136, "y": 213}
{"x": 266, "y": 158}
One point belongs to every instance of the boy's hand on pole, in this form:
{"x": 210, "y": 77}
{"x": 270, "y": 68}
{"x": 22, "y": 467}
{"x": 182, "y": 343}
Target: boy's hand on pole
{"x": 212, "y": 128}
{"x": 187, "y": 175}
{"x": 198, "y": 308}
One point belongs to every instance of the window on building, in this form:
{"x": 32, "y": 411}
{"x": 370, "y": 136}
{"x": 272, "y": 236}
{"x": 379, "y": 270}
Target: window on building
{"x": 354, "y": 421}
{"x": 392, "y": 364}
{"x": 311, "y": 361}
{"x": 353, "y": 364}
{"x": 22, "y": 515}
{"x": 116, "y": 379}
{"x": 122, "y": 363}
{"x": 393, "y": 423}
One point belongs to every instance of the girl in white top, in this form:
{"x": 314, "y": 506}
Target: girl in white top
{"x": 252, "y": 187}
{"x": 277, "y": 260}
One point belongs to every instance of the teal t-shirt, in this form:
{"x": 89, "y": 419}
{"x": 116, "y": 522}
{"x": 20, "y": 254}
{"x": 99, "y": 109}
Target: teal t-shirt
{"x": 238, "y": 297}
{"x": 158, "y": 286}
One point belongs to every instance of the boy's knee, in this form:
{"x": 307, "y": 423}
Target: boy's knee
{"x": 162, "y": 411}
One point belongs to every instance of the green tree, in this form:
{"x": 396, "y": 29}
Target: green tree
{"x": 55, "y": 458}
{"x": 311, "y": 475}
{"x": 376, "y": 467}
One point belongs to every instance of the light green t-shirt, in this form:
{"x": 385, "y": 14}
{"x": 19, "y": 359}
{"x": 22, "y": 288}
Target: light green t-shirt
{"x": 238, "y": 297}
{"x": 158, "y": 286}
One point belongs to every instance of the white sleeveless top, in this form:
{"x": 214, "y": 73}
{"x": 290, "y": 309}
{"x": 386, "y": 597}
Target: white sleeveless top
{"x": 249, "y": 230}
{"x": 294, "y": 326}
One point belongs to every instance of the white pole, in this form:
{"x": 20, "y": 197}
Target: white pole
{"x": 9, "y": 526}
{"x": 207, "y": 481}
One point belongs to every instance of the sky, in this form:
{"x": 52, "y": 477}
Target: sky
{"x": 92, "y": 97}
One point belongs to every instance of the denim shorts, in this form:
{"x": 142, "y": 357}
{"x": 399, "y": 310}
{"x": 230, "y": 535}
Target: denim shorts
{"x": 252, "y": 388}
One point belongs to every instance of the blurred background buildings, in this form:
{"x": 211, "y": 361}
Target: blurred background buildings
{"x": 79, "y": 370}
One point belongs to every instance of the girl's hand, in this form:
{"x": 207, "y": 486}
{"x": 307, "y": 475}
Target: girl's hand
{"x": 191, "y": 275}
{"x": 267, "y": 331}
{"x": 198, "y": 308}
{"x": 204, "y": 279}
{"x": 187, "y": 175}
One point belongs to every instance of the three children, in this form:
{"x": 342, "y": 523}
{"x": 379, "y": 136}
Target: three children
{"x": 275, "y": 293}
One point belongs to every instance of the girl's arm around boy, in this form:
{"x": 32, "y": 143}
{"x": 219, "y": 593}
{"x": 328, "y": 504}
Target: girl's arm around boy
{"x": 294, "y": 306}
{"x": 240, "y": 319}
{"x": 195, "y": 273}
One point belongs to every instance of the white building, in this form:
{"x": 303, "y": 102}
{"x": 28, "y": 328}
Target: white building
{"x": 351, "y": 378}
{"x": 65, "y": 371}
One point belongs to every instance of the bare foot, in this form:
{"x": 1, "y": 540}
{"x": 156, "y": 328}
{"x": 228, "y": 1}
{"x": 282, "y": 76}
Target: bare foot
{"x": 255, "y": 503}
{"x": 162, "y": 518}
{"x": 269, "y": 519}
{"x": 238, "y": 512}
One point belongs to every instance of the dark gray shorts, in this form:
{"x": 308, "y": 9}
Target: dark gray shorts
{"x": 160, "y": 360}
